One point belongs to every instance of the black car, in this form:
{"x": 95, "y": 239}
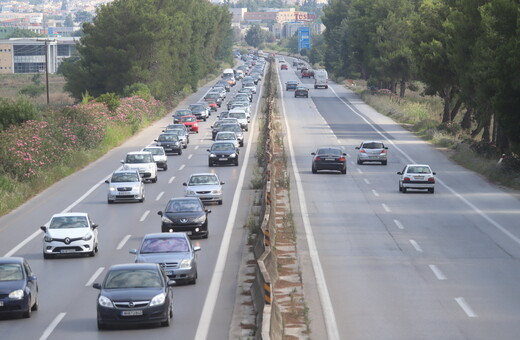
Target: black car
{"x": 329, "y": 158}
{"x": 215, "y": 128}
{"x": 170, "y": 143}
{"x": 301, "y": 92}
{"x": 179, "y": 113}
{"x": 18, "y": 287}
{"x": 185, "y": 214}
{"x": 134, "y": 293}
{"x": 223, "y": 153}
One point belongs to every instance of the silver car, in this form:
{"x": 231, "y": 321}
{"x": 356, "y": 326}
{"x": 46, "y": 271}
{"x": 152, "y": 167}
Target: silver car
{"x": 206, "y": 186}
{"x": 372, "y": 151}
{"x": 125, "y": 185}
{"x": 236, "y": 129}
{"x": 159, "y": 156}
{"x": 228, "y": 136}
{"x": 173, "y": 251}
{"x": 417, "y": 176}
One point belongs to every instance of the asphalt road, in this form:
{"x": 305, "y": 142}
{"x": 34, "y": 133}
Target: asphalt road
{"x": 67, "y": 300}
{"x": 380, "y": 264}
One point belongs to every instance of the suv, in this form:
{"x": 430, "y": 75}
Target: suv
{"x": 143, "y": 162}
{"x": 185, "y": 214}
{"x": 70, "y": 233}
{"x": 206, "y": 186}
{"x": 125, "y": 185}
{"x": 159, "y": 156}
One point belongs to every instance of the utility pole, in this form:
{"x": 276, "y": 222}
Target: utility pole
{"x": 46, "y": 41}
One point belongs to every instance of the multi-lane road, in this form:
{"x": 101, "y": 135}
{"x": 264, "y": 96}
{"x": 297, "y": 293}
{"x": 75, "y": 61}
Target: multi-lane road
{"x": 68, "y": 301}
{"x": 380, "y": 264}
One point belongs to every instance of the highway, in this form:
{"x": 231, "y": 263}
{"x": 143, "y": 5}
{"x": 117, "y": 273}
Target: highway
{"x": 67, "y": 300}
{"x": 380, "y": 264}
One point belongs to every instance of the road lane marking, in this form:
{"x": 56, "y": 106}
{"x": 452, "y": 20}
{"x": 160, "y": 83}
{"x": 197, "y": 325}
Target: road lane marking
{"x": 465, "y": 307}
{"x": 441, "y": 182}
{"x": 171, "y": 180}
{"x": 123, "y": 242}
{"x": 196, "y": 147}
{"x": 23, "y": 243}
{"x": 375, "y": 193}
{"x": 144, "y": 215}
{"x": 218, "y": 272}
{"x": 387, "y": 209}
{"x": 366, "y": 181}
{"x": 94, "y": 276}
{"x": 416, "y": 246}
{"x": 190, "y": 155}
{"x": 398, "y": 224}
{"x": 53, "y": 325}
{"x": 182, "y": 167}
{"x": 438, "y": 273}
{"x": 159, "y": 196}
{"x": 352, "y": 163}
{"x": 326, "y": 303}
{"x": 359, "y": 170}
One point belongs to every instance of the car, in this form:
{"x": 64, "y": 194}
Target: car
{"x": 206, "y": 186}
{"x": 125, "y": 185}
{"x": 179, "y": 113}
{"x": 235, "y": 127}
{"x": 170, "y": 142}
{"x": 301, "y": 91}
{"x": 18, "y": 287}
{"x": 70, "y": 233}
{"x": 228, "y": 136}
{"x": 240, "y": 96}
{"x": 199, "y": 110}
{"x": 191, "y": 123}
{"x": 223, "y": 153}
{"x": 185, "y": 214}
{"x": 214, "y": 100}
{"x": 184, "y": 135}
{"x": 291, "y": 85}
{"x": 173, "y": 251}
{"x": 307, "y": 73}
{"x": 241, "y": 115}
{"x": 224, "y": 84}
{"x": 248, "y": 92}
{"x": 134, "y": 294}
{"x": 249, "y": 85}
{"x": 329, "y": 158}
{"x": 180, "y": 135}
{"x": 159, "y": 156}
{"x": 372, "y": 151}
{"x": 284, "y": 67}
{"x": 221, "y": 90}
{"x": 143, "y": 162}
{"x": 416, "y": 176}
{"x": 215, "y": 128}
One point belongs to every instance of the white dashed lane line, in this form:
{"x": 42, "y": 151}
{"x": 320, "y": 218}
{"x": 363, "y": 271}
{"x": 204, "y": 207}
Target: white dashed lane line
{"x": 416, "y": 246}
{"x": 437, "y": 272}
{"x": 182, "y": 167}
{"x": 465, "y": 307}
{"x": 190, "y": 155}
{"x": 366, "y": 180}
{"x": 359, "y": 170}
{"x": 196, "y": 147}
{"x": 144, "y": 215}
{"x": 123, "y": 242}
{"x": 159, "y": 196}
{"x": 387, "y": 209}
{"x": 398, "y": 224}
{"x": 375, "y": 193}
{"x": 94, "y": 276}
{"x": 171, "y": 180}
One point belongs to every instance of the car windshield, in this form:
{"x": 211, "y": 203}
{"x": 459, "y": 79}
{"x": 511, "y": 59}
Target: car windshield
{"x": 226, "y": 136}
{"x": 125, "y": 177}
{"x": 176, "y": 132}
{"x": 197, "y": 107}
{"x": 213, "y": 95}
{"x": 183, "y": 206}
{"x": 11, "y": 272}
{"x": 168, "y": 137}
{"x": 188, "y": 119}
{"x": 139, "y": 158}
{"x": 329, "y": 151}
{"x": 154, "y": 151}
{"x": 418, "y": 170}
{"x": 223, "y": 147}
{"x": 373, "y": 145}
{"x": 137, "y": 278}
{"x": 238, "y": 115}
{"x": 65, "y": 222}
{"x": 231, "y": 127}
{"x": 181, "y": 113}
{"x": 164, "y": 245}
{"x": 203, "y": 180}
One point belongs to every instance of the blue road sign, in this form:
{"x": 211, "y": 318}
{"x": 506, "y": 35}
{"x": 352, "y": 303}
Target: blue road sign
{"x": 304, "y": 38}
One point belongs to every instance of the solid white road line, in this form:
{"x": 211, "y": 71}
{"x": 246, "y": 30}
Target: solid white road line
{"x": 144, "y": 216}
{"x": 53, "y": 325}
{"x": 398, "y": 224}
{"x": 387, "y": 209}
{"x": 465, "y": 307}
{"x": 159, "y": 196}
{"x": 438, "y": 273}
{"x": 171, "y": 180}
{"x": 463, "y": 199}
{"x": 326, "y": 303}
{"x": 94, "y": 276}
{"x": 416, "y": 246}
{"x": 123, "y": 242}
{"x": 375, "y": 193}
{"x": 366, "y": 181}
{"x": 23, "y": 243}
{"x": 182, "y": 167}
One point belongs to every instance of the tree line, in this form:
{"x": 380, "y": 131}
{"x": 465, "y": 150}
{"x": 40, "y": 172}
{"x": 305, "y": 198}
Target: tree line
{"x": 167, "y": 45}
{"x": 465, "y": 51}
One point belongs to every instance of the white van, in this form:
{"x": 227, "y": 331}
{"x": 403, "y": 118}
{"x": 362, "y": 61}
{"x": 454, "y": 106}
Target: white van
{"x": 229, "y": 76}
{"x": 321, "y": 79}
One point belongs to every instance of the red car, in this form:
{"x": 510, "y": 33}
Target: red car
{"x": 307, "y": 73}
{"x": 191, "y": 123}
{"x": 284, "y": 67}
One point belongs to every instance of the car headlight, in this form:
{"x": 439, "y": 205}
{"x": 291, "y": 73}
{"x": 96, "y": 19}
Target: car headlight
{"x": 217, "y": 192}
{"x": 16, "y": 294}
{"x": 199, "y": 219}
{"x": 190, "y": 192}
{"x": 165, "y": 219}
{"x": 103, "y": 301}
{"x": 136, "y": 187}
{"x": 112, "y": 189}
{"x": 87, "y": 237}
{"x": 158, "y": 143}
{"x": 233, "y": 155}
{"x": 186, "y": 263}
{"x": 176, "y": 143}
{"x": 158, "y": 300}
{"x": 47, "y": 238}
{"x": 212, "y": 155}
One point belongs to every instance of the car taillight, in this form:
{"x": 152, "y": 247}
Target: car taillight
{"x": 384, "y": 151}
{"x": 342, "y": 159}
{"x": 318, "y": 158}
{"x": 406, "y": 179}
{"x": 362, "y": 151}
{"x": 431, "y": 180}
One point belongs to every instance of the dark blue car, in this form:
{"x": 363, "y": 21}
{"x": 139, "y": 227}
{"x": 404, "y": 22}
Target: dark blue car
{"x": 18, "y": 287}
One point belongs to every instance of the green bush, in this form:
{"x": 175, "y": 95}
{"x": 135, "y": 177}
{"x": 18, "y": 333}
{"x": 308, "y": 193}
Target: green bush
{"x": 16, "y": 112}
{"x": 138, "y": 89}
{"x": 111, "y": 100}
{"x": 32, "y": 90}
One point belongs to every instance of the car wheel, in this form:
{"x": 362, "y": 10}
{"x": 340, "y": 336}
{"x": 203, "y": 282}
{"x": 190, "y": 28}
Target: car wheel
{"x": 101, "y": 326}
{"x": 110, "y": 201}
{"x": 36, "y": 304}
{"x": 404, "y": 190}
{"x": 92, "y": 253}
{"x": 27, "y": 314}
{"x": 210, "y": 164}
{"x": 359, "y": 162}
{"x": 384, "y": 162}
{"x": 220, "y": 202}
{"x": 167, "y": 322}
{"x": 165, "y": 167}
{"x": 431, "y": 190}
{"x": 180, "y": 152}
{"x": 205, "y": 235}
{"x": 400, "y": 188}
{"x": 241, "y": 144}
{"x": 247, "y": 129}
{"x": 236, "y": 162}
{"x": 344, "y": 171}
{"x": 314, "y": 170}
{"x": 154, "y": 180}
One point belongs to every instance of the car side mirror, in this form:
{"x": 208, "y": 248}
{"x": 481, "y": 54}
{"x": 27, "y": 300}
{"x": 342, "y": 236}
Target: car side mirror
{"x": 133, "y": 251}
{"x": 313, "y": 153}
{"x": 155, "y": 140}
{"x": 171, "y": 283}
{"x": 196, "y": 248}
{"x": 160, "y": 213}
{"x": 357, "y": 147}
{"x": 44, "y": 228}
{"x": 343, "y": 154}
{"x": 222, "y": 183}
{"x": 208, "y": 150}
{"x": 96, "y": 286}
{"x": 163, "y": 130}
{"x": 107, "y": 181}
{"x": 208, "y": 211}
{"x": 434, "y": 173}
{"x": 399, "y": 173}
{"x": 94, "y": 226}
{"x": 185, "y": 184}
{"x": 31, "y": 278}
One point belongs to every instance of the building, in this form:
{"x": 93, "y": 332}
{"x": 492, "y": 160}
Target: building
{"x": 27, "y": 55}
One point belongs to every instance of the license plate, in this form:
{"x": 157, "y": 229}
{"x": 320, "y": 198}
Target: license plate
{"x": 1, "y": 303}
{"x": 131, "y": 312}
{"x": 168, "y": 272}
{"x": 222, "y": 159}
{"x": 188, "y": 233}
{"x": 329, "y": 159}
{"x": 125, "y": 193}
{"x": 67, "y": 251}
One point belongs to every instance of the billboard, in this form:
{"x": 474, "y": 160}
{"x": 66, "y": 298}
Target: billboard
{"x": 304, "y": 38}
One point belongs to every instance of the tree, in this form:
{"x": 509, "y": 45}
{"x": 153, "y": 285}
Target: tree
{"x": 68, "y": 21}
{"x": 83, "y": 16}
{"x": 23, "y": 33}
{"x": 255, "y": 36}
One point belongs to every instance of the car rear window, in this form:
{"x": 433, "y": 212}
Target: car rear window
{"x": 373, "y": 145}
{"x": 418, "y": 170}
{"x": 329, "y": 151}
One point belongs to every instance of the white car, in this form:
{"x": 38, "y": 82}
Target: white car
{"x": 70, "y": 233}
{"x": 416, "y": 176}
{"x": 206, "y": 186}
{"x": 159, "y": 156}
{"x": 125, "y": 185}
{"x": 143, "y": 162}
{"x": 241, "y": 115}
